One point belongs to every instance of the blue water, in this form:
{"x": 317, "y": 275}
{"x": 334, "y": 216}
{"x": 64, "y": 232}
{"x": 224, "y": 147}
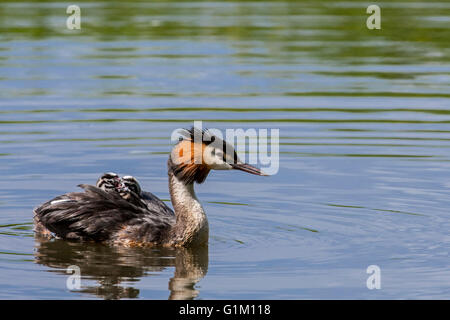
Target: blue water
{"x": 364, "y": 171}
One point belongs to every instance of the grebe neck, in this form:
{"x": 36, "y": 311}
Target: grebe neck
{"x": 191, "y": 225}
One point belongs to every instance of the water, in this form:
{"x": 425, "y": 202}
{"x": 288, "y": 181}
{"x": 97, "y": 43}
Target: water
{"x": 364, "y": 144}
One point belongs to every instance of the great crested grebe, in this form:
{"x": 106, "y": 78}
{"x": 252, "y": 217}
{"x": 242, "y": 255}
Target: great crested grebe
{"x": 117, "y": 211}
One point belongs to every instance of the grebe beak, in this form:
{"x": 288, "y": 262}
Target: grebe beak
{"x": 248, "y": 168}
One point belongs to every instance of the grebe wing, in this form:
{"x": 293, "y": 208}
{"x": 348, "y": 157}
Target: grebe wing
{"x": 156, "y": 204}
{"x": 98, "y": 215}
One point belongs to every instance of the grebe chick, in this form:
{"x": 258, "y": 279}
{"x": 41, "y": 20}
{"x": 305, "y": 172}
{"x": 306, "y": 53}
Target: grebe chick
{"x": 132, "y": 188}
{"x": 112, "y": 182}
{"x": 132, "y": 184}
{"x": 109, "y": 181}
{"x": 131, "y": 216}
{"x": 129, "y": 189}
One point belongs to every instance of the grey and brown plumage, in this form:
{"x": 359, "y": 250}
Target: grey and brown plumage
{"x": 153, "y": 203}
{"x": 117, "y": 211}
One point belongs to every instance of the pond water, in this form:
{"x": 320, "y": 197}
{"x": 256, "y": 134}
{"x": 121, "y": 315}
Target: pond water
{"x": 364, "y": 122}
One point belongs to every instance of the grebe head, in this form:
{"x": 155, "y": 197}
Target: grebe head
{"x": 199, "y": 151}
{"x": 132, "y": 184}
{"x": 109, "y": 181}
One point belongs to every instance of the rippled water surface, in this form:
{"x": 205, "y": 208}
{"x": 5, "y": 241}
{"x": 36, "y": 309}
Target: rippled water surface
{"x": 364, "y": 120}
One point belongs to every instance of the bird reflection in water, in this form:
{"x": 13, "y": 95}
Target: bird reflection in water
{"x": 110, "y": 266}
